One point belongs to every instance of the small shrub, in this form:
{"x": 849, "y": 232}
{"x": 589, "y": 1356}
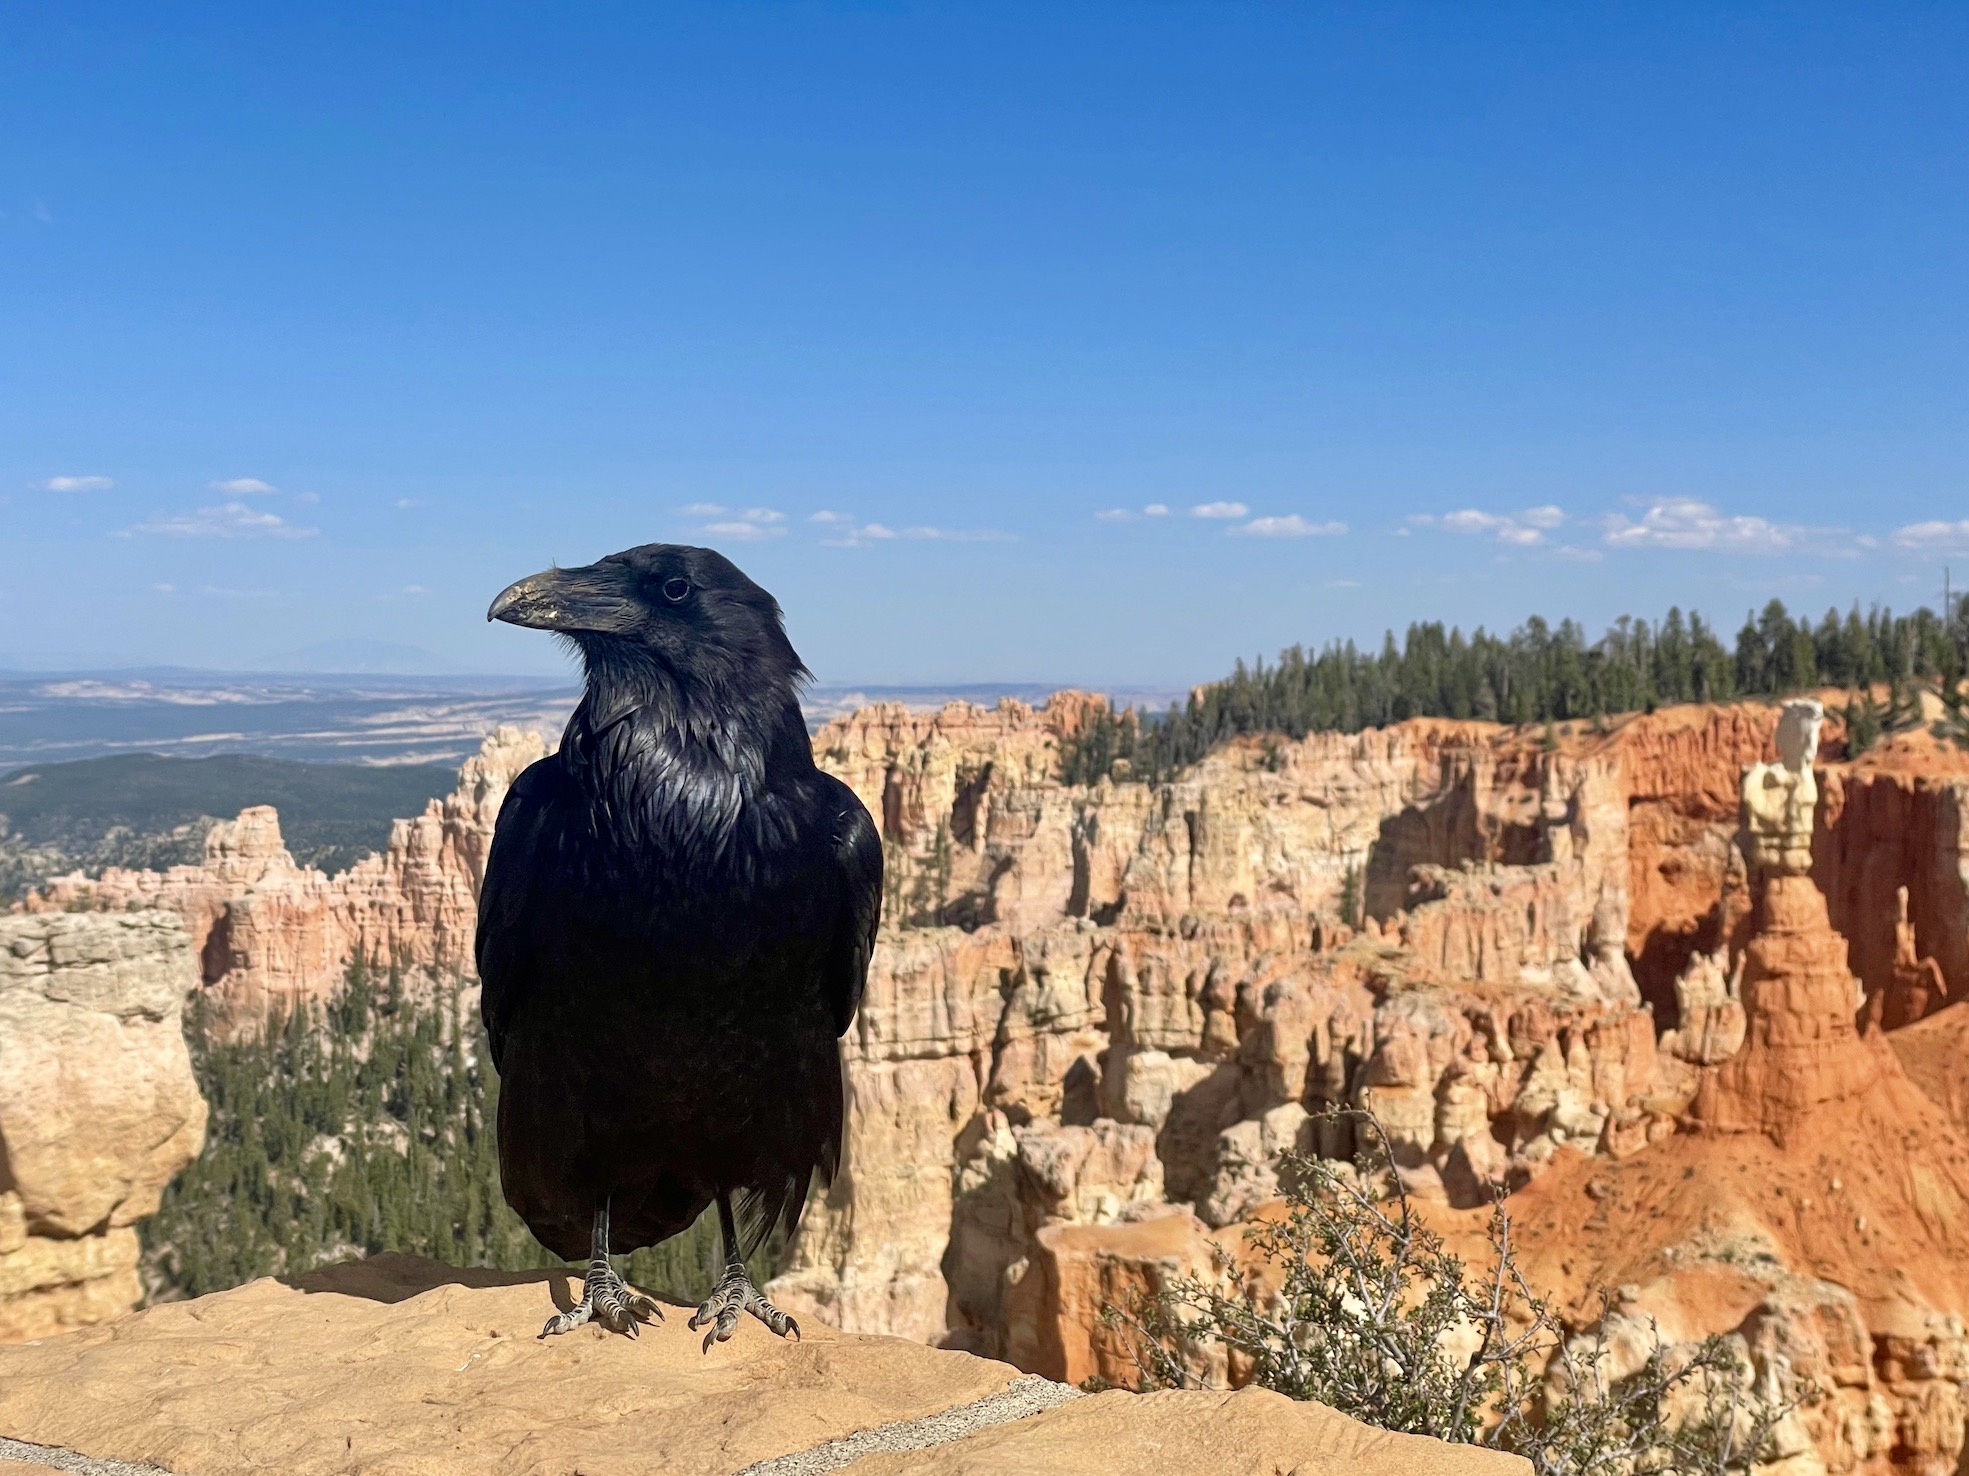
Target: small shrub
{"x": 1374, "y": 1317}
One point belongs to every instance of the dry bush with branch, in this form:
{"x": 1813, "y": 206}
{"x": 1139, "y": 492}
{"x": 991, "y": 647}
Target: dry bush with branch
{"x": 1368, "y": 1312}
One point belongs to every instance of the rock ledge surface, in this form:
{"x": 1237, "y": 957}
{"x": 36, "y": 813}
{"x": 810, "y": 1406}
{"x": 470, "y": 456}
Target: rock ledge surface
{"x": 397, "y": 1366}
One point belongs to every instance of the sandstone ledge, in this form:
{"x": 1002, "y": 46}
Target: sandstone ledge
{"x": 402, "y": 1367}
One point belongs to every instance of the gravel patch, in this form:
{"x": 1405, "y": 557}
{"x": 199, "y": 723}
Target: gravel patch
{"x": 1025, "y": 1398}
{"x": 68, "y": 1460}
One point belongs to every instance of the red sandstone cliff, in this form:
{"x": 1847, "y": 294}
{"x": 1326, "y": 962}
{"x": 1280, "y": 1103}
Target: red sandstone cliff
{"x": 1096, "y": 1004}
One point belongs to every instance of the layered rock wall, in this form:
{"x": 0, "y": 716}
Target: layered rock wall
{"x": 268, "y": 933}
{"x": 98, "y": 1108}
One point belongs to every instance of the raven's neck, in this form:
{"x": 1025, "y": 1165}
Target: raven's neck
{"x": 678, "y": 764}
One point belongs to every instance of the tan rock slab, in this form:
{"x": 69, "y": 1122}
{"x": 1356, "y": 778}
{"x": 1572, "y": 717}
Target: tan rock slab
{"x": 1253, "y": 1432}
{"x": 403, "y": 1367}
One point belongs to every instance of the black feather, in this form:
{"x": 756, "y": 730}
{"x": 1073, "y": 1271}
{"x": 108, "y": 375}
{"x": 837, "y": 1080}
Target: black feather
{"x": 676, "y": 918}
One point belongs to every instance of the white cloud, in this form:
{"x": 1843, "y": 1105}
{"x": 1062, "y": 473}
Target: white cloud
{"x": 852, "y": 536}
{"x": 165, "y": 588}
{"x": 960, "y": 535}
{"x": 828, "y": 515}
{"x": 1220, "y": 510}
{"x": 228, "y": 520}
{"x": 78, "y": 484}
{"x": 307, "y": 499}
{"x": 1933, "y": 535}
{"x": 1343, "y": 584}
{"x": 1114, "y": 515}
{"x": 748, "y": 526}
{"x": 1526, "y": 529}
{"x": 403, "y": 503}
{"x": 1159, "y": 510}
{"x": 244, "y": 487}
{"x": 1156, "y": 510}
{"x": 1289, "y": 526}
{"x": 1685, "y": 523}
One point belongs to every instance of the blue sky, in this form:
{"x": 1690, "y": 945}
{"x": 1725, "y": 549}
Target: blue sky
{"x": 323, "y": 323}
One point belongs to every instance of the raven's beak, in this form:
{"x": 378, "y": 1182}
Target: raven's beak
{"x": 593, "y": 597}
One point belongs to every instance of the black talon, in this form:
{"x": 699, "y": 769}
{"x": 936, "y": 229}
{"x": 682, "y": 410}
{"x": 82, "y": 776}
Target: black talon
{"x": 735, "y": 1295}
{"x": 605, "y": 1296}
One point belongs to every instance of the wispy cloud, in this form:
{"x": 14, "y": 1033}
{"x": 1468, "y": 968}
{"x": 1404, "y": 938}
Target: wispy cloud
{"x": 1933, "y": 536}
{"x": 404, "y": 504}
{"x": 1153, "y": 510}
{"x": 748, "y": 525}
{"x": 1220, "y": 510}
{"x": 1685, "y": 523}
{"x": 1114, "y": 515}
{"x": 845, "y": 532}
{"x": 1289, "y": 526}
{"x": 245, "y": 487}
{"x": 961, "y": 535}
{"x": 1156, "y": 510}
{"x": 78, "y": 484}
{"x": 850, "y": 534}
{"x": 829, "y": 515}
{"x": 1525, "y": 529}
{"x": 227, "y": 520}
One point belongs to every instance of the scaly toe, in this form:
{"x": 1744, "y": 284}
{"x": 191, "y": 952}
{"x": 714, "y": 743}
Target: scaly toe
{"x": 568, "y": 1321}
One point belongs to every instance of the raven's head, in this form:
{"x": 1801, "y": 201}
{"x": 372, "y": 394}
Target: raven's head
{"x": 662, "y": 616}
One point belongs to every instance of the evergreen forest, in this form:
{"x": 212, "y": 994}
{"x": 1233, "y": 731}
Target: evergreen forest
{"x": 361, "y": 1126}
{"x": 1539, "y": 673}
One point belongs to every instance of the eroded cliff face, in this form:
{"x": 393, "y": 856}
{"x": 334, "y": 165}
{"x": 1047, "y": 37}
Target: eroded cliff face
{"x": 1097, "y": 1012}
{"x": 1116, "y": 997}
{"x": 98, "y": 1108}
{"x": 268, "y": 933}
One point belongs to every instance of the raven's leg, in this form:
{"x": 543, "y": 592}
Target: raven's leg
{"x": 605, "y": 1297}
{"x": 735, "y": 1294}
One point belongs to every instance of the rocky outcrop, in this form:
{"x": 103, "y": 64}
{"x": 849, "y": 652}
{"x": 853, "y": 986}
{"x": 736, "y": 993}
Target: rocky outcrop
{"x": 98, "y": 1108}
{"x": 1138, "y": 993}
{"x": 268, "y": 933}
{"x": 1098, "y": 1011}
{"x": 401, "y": 1365}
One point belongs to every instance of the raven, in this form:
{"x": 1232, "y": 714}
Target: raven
{"x": 674, "y": 930}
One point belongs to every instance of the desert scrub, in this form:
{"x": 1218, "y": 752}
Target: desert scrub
{"x": 1351, "y": 1301}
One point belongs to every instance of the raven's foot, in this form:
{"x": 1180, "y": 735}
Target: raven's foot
{"x": 734, "y": 1296}
{"x": 608, "y": 1299}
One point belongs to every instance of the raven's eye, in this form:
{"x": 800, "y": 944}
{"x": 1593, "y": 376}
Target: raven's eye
{"x": 676, "y": 591}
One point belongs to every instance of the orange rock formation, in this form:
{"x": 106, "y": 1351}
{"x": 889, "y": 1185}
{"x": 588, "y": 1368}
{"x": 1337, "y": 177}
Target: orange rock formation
{"x": 1543, "y": 968}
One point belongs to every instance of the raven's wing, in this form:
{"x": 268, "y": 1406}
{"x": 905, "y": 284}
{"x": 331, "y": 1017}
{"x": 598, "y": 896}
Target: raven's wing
{"x": 858, "y": 865}
{"x": 527, "y": 844}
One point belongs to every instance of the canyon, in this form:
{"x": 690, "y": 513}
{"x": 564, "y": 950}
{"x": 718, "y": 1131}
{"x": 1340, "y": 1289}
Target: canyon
{"x": 1544, "y": 959}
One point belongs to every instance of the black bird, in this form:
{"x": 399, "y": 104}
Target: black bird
{"x": 674, "y": 930}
